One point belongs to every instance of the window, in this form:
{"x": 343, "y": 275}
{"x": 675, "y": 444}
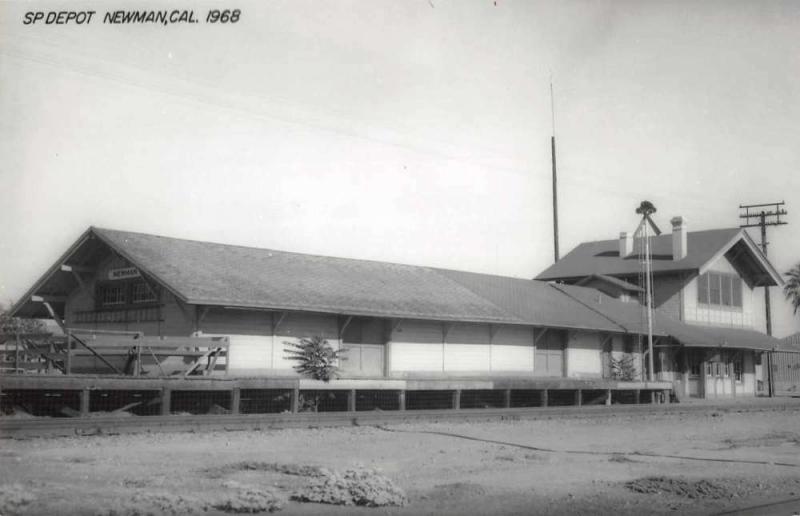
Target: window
{"x": 715, "y": 288}
{"x": 121, "y": 294}
{"x": 738, "y": 368}
{"x": 726, "y": 291}
{"x": 142, "y": 293}
{"x": 714, "y": 294}
{"x": 113, "y": 295}
{"x": 702, "y": 288}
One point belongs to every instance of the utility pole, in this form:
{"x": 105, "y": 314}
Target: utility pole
{"x": 555, "y": 187}
{"x": 763, "y": 215}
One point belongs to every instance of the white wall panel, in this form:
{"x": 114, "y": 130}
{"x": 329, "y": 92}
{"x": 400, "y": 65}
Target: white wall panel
{"x": 583, "y": 355}
{"x": 417, "y": 346}
{"x": 467, "y": 348}
{"x": 512, "y": 349}
{"x": 249, "y": 352}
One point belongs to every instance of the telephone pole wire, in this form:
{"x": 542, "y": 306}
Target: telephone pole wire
{"x": 761, "y": 216}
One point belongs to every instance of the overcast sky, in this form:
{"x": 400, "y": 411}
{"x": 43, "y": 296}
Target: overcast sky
{"x": 407, "y": 131}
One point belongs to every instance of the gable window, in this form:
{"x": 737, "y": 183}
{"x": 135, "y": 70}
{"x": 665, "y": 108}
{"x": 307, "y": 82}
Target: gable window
{"x": 113, "y": 295}
{"x": 717, "y": 288}
{"x": 124, "y": 294}
{"x": 142, "y": 293}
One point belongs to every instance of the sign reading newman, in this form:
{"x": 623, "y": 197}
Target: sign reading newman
{"x": 123, "y": 273}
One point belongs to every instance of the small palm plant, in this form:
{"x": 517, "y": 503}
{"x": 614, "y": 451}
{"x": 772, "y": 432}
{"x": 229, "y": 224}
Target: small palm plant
{"x": 317, "y": 359}
{"x": 792, "y": 287}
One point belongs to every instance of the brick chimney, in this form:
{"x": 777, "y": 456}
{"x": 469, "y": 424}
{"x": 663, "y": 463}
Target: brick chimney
{"x": 679, "y": 247}
{"x": 625, "y": 244}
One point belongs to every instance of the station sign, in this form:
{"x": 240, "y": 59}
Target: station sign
{"x": 123, "y": 273}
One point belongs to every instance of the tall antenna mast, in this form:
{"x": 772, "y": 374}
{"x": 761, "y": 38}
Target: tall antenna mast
{"x": 555, "y": 179}
{"x": 766, "y": 214}
{"x": 646, "y": 209}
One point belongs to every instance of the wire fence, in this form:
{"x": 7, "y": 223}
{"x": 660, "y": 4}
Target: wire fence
{"x": 139, "y": 403}
{"x": 524, "y": 398}
{"x": 72, "y": 403}
{"x": 484, "y": 398}
{"x": 377, "y": 400}
{"x": 265, "y": 401}
{"x": 323, "y": 401}
{"x": 41, "y": 403}
{"x": 429, "y": 400}
{"x": 200, "y": 402}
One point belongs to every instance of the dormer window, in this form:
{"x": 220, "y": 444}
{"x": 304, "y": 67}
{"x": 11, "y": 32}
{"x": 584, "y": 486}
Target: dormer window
{"x": 719, "y": 289}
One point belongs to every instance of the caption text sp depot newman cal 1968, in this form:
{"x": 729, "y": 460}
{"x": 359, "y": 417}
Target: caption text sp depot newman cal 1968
{"x": 163, "y": 17}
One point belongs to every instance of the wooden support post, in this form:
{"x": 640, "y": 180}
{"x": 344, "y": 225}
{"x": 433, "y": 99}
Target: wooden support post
{"x": 295, "y": 400}
{"x": 351, "y": 400}
{"x": 637, "y": 396}
{"x": 578, "y": 397}
{"x": 545, "y": 400}
{"x": 68, "y": 368}
{"x": 50, "y": 355}
{"x": 138, "y": 370}
{"x": 166, "y": 401}
{"x": 85, "y": 398}
{"x": 401, "y": 400}
{"x": 608, "y": 397}
{"x": 236, "y": 399}
{"x": 507, "y": 398}
{"x": 16, "y": 354}
{"x": 457, "y": 399}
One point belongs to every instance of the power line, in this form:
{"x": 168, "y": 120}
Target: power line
{"x": 764, "y": 214}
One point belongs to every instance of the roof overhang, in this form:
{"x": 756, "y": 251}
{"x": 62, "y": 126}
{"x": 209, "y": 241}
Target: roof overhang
{"x": 748, "y": 259}
{"x": 695, "y": 336}
{"x": 59, "y": 281}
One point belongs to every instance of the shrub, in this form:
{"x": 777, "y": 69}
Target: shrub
{"x": 317, "y": 359}
{"x": 623, "y": 369}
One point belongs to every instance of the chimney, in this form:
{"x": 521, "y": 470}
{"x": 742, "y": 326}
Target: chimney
{"x": 625, "y": 245}
{"x": 679, "y": 247}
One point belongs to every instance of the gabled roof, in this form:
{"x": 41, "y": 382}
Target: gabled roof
{"x": 704, "y": 248}
{"x": 633, "y": 318}
{"x": 204, "y": 273}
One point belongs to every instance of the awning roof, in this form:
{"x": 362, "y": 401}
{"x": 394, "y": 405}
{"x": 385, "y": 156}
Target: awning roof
{"x": 694, "y": 336}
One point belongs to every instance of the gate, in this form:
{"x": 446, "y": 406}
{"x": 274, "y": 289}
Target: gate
{"x": 785, "y": 366}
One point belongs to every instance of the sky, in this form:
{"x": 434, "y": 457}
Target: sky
{"x": 407, "y": 131}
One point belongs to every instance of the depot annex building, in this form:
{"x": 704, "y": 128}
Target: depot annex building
{"x": 396, "y": 322}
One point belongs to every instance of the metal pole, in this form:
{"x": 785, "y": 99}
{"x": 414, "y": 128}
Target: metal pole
{"x": 555, "y": 182}
{"x": 649, "y": 294}
{"x": 555, "y": 198}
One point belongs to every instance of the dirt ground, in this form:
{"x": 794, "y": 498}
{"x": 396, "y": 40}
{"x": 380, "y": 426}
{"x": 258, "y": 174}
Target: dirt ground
{"x": 592, "y": 465}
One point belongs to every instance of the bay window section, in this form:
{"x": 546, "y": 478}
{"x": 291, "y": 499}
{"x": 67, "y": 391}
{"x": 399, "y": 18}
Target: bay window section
{"x": 719, "y": 289}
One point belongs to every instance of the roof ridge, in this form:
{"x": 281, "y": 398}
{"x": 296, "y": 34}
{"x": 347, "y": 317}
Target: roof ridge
{"x": 313, "y": 255}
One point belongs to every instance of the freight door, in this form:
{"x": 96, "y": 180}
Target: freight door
{"x": 549, "y": 357}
